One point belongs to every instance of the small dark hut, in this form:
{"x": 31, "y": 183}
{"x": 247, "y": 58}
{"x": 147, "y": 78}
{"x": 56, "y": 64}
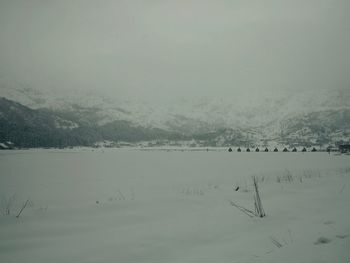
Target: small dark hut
{"x": 294, "y": 149}
{"x": 344, "y": 148}
{"x": 304, "y": 150}
{"x": 257, "y": 149}
{"x": 329, "y": 149}
{"x": 248, "y": 150}
{"x": 285, "y": 149}
{"x": 239, "y": 149}
{"x": 266, "y": 150}
{"x": 230, "y": 149}
{"x": 275, "y": 150}
{"x": 314, "y": 149}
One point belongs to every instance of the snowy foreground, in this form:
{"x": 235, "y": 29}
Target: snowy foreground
{"x": 128, "y": 205}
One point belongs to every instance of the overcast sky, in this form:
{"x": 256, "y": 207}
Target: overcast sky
{"x": 177, "y": 48}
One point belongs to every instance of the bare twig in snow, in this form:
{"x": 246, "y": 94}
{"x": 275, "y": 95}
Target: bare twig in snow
{"x": 257, "y": 200}
{"x": 276, "y": 242}
{"x": 24, "y": 206}
{"x": 342, "y": 189}
{"x": 243, "y": 209}
{"x": 121, "y": 194}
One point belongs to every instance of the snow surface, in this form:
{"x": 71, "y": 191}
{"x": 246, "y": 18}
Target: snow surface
{"x": 128, "y": 205}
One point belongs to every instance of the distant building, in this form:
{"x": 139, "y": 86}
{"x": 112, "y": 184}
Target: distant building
{"x": 275, "y": 150}
{"x": 285, "y": 149}
{"x": 304, "y": 150}
{"x": 257, "y": 149}
{"x": 266, "y": 150}
{"x": 239, "y": 149}
{"x": 314, "y": 149}
{"x": 294, "y": 149}
{"x": 344, "y": 148}
{"x": 331, "y": 149}
{"x": 230, "y": 149}
{"x": 248, "y": 150}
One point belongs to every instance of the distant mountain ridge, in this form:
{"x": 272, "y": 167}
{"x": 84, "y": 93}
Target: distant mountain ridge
{"x": 31, "y": 118}
{"x": 27, "y": 127}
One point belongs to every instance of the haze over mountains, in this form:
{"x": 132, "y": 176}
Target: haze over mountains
{"x": 200, "y": 73}
{"x": 33, "y": 118}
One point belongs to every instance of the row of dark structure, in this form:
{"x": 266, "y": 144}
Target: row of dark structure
{"x": 274, "y": 150}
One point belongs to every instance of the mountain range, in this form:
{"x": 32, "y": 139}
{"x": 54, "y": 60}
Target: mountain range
{"x": 33, "y": 118}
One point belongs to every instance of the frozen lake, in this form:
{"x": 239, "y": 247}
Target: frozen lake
{"x": 129, "y": 205}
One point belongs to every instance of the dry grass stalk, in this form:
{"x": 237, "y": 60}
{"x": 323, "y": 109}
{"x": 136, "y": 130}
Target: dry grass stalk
{"x": 259, "y": 210}
{"x": 243, "y": 209}
{"x": 24, "y": 206}
{"x": 276, "y": 242}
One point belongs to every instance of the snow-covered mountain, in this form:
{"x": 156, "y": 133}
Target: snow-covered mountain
{"x": 246, "y": 120}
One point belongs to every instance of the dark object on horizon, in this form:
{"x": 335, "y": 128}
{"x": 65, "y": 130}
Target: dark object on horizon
{"x": 248, "y": 150}
{"x": 239, "y": 150}
{"x": 314, "y": 149}
{"x": 294, "y": 149}
{"x": 275, "y": 150}
{"x": 6, "y": 146}
{"x": 257, "y": 149}
{"x": 304, "y": 150}
{"x": 266, "y": 150}
{"x": 230, "y": 149}
{"x": 344, "y": 148}
{"x": 285, "y": 149}
{"x": 331, "y": 149}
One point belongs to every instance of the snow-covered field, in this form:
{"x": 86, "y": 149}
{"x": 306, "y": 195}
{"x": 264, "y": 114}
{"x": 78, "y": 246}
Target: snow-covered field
{"x": 128, "y": 205}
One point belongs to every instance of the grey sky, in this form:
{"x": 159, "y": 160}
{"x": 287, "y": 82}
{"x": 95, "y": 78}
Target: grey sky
{"x": 177, "y": 48}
